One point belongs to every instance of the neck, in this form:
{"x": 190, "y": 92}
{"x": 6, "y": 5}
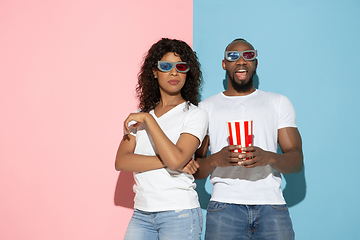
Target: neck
{"x": 230, "y": 91}
{"x": 170, "y": 101}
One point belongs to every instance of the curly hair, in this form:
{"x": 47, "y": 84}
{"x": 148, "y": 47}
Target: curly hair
{"x": 147, "y": 89}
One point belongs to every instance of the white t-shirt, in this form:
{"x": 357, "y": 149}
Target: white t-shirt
{"x": 163, "y": 189}
{"x": 269, "y": 112}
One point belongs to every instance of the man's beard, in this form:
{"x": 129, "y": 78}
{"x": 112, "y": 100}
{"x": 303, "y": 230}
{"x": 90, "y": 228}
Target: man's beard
{"x": 239, "y": 87}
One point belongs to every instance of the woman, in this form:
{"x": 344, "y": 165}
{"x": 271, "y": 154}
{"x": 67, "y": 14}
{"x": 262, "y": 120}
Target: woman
{"x": 159, "y": 145}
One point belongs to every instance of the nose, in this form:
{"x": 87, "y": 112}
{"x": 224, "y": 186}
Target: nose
{"x": 173, "y": 71}
{"x": 241, "y": 61}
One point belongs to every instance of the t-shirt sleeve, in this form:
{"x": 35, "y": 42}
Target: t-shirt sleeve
{"x": 204, "y": 106}
{"x": 196, "y": 123}
{"x": 287, "y": 116}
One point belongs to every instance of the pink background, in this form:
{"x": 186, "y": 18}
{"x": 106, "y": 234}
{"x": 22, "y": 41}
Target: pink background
{"x": 67, "y": 77}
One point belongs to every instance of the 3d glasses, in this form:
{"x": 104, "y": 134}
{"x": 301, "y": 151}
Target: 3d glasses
{"x": 248, "y": 55}
{"x": 166, "y": 66}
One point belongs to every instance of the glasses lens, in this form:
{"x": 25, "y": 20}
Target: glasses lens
{"x": 249, "y": 55}
{"x": 232, "y": 56}
{"x": 181, "y": 67}
{"x": 165, "y": 66}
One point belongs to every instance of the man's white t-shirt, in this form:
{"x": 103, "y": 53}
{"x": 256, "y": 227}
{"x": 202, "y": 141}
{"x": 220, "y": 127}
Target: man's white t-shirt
{"x": 163, "y": 189}
{"x": 269, "y": 112}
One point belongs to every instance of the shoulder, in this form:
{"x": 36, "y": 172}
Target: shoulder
{"x": 192, "y": 114}
{"x": 268, "y": 94}
{"x": 194, "y": 110}
{"x": 280, "y": 102}
{"x": 272, "y": 96}
{"x": 210, "y": 100}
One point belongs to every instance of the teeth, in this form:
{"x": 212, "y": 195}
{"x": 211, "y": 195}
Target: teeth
{"x": 241, "y": 70}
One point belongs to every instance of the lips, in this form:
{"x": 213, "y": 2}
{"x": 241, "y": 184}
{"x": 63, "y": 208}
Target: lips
{"x": 241, "y": 73}
{"x": 174, "y": 82}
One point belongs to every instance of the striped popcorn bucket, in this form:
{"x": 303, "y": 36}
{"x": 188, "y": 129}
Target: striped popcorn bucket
{"x": 240, "y": 133}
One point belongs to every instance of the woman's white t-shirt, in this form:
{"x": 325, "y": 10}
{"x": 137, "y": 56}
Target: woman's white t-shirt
{"x": 163, "y": 189}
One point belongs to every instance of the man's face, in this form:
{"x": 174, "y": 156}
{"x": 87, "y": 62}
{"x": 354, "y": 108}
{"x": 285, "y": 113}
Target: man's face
{"x": 240, "y": 72}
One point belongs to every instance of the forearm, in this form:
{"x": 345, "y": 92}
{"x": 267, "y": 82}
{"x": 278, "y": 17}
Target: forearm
{"x": 127, "y": 160}
{"x": 131, "y": 162}
{"x": 289, "y": 162}
{"x": 206, "y": 166}
{"x": 170, "y": 153}
{"x": 226, "y": 157}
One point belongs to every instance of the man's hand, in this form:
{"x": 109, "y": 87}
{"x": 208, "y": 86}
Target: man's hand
{"x": 255, "y": 157}
{"x": 290, "y": 161}
{"x": 226, "y": 157}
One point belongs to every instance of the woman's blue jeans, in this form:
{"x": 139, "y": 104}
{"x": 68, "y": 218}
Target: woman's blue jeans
{"x": 234, "y": 221}
{"x": 168, "y": 225}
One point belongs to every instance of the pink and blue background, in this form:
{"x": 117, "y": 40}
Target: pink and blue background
{"x": 68, "y": 72}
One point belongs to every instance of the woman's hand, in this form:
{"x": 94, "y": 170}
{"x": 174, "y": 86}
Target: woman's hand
{"x": 190, "y": 168}
{"x": 139, "y": 118}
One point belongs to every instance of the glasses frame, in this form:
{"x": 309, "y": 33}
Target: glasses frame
{"x": 241, "y": 54}
{"x": 173, "y": 64}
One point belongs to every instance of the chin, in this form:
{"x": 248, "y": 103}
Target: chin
{"x": 242, "y": 85}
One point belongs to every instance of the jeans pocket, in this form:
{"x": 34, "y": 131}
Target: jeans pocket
{"x": 216, "y": 206}
{"x": 283, "y": 207}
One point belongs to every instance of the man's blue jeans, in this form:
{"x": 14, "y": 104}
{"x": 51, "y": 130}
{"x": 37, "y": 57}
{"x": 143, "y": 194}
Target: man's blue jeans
{"x": 234, "y": 221}
{"x": 168, "y": 225}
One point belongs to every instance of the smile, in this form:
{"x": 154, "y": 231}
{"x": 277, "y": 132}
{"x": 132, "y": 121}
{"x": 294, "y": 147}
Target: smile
{"x": 241, "y": 74}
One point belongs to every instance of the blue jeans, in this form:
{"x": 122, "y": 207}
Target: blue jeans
{"x": 234, "y": 221}
{"x": 167, "y": 225}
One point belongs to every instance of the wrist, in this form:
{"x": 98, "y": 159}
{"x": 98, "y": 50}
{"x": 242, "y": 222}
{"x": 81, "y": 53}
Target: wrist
{"x": 147, "y": 117}
{"x": 213, "y": 160}
{"x": 272, "y": 158}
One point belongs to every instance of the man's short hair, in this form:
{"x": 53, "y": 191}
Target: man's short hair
{"x": 239, "y": 40}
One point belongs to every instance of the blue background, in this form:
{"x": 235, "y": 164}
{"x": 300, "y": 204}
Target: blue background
{"x": 308, "y": 51}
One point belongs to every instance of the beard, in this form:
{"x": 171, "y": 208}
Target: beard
{"x": 241, "y": 87}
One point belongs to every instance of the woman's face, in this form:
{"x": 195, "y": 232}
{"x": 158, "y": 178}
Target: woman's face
{"x": 170, "y": 82}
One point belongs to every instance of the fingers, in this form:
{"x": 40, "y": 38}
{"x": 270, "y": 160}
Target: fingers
{"x": 131, "y": 117}
{"x": 249, "y": 149}
{"x": 191, "y": 167}
{"x": 247, "y": 157}
{"x": 196, "y": 164}
{"x": 126, "y": 124}
{"x": 234, "y": 158}
{"x": 232, "y": 153}
{"x": 228, "y": 156}
{"x": 189, "y": 170}
{"x": 253, "y": 157}
{"x": 126, "y": 128}
{"x": 232, "y": 147}
{"x": 249, "y": 163}
{"x": 139, "y": 118}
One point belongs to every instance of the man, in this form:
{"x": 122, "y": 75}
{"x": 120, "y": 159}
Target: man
{"x": 247, "y": 201}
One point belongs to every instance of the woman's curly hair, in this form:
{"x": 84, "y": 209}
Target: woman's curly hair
{"x": 147, "y": 89}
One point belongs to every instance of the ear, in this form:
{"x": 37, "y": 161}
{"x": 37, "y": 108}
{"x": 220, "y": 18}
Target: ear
{"x": 256, "y": 63}
{"x": 155, "y": 72}
{"x": 224, "y": 64}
